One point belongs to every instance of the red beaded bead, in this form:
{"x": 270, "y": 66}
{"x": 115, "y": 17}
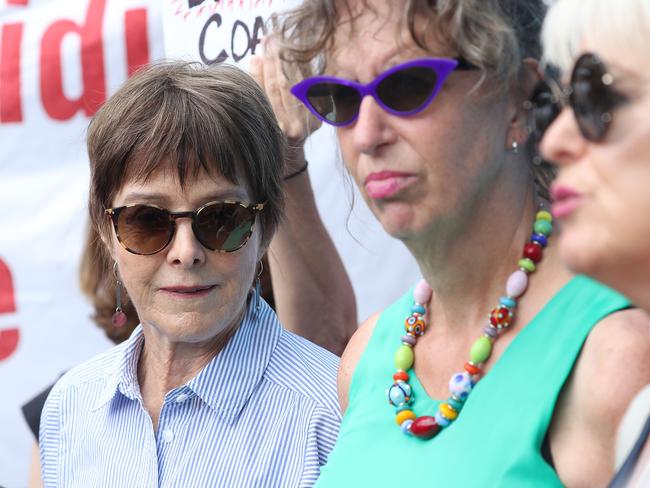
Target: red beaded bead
{"x": 500, "y": 317}
{"x": 425, "y": 427}
{"x": 401, "y": 376}
{"x": 472, "y": 369}
{"x": 533, "y": 252}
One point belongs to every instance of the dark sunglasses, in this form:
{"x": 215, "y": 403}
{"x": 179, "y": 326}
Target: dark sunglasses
{"x": 590, "y": 95}
{"x": 403, "y": 90}
{"x": 219, "y": 226}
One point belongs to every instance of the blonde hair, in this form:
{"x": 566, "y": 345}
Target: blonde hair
{"x": 569, "y": 23}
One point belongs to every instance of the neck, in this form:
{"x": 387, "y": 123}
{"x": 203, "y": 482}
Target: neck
{"x": 166, "y": 364}
{"x": 468, "y": 260}
{"x": 630, "y": 277}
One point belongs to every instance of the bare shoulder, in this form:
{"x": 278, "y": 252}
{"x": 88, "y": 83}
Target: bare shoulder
{"x": 615, "y": 362}
{"x": 351, "y": 356}
{"x": 613, "y": 366}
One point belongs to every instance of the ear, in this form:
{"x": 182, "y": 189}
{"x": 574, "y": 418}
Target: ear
{"x": 529, "y": 76}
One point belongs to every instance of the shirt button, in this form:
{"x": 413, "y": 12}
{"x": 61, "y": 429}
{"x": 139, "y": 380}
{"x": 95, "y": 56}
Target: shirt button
{"x": 181, "y": 398}
{"x": 168, "y": 435}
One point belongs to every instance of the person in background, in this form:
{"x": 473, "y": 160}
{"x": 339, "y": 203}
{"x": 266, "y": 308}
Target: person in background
{"x": 502, "y": 368}
{"x": 209, "y": 390}
{"x": 599, "y": 137}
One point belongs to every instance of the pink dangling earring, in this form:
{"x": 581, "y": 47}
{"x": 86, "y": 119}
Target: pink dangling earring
{"x": 119, "y": 317}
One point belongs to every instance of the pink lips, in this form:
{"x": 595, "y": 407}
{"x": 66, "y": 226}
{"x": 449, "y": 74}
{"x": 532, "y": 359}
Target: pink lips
{"x": 565, "y": 200}
{"x": 386, "y": 184}
{"x": 193, "y": 291}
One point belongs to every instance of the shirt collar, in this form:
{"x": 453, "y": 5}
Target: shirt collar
{"x": 227, "y": 382}
{"x": 122, "y": 374}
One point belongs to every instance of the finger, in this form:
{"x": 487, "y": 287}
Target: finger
{"x": 298, "y": 121}
{"x": 288, "y": 101}
{"x": 271, "y": 84}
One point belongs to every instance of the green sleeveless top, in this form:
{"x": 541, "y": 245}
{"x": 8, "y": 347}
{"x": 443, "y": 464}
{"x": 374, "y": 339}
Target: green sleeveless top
{"x": 496, "y": 440}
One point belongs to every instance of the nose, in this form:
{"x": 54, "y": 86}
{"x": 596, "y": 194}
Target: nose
{"x": 370, "y": 130}
{"x": 185, "y": 250}
{"x": 562, "y": 142}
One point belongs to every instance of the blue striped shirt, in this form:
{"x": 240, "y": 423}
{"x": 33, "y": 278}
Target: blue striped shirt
{"x": 262, "y": 413}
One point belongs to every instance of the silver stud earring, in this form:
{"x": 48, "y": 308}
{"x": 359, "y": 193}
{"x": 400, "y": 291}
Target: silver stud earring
{"x": 515, "y": 147}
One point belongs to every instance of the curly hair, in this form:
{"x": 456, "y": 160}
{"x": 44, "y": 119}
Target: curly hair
{"x": 494, "y": 35}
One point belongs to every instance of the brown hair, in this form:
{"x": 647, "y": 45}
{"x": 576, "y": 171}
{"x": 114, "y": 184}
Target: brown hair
{"x": 193, "y": 118}
{"x": 98, "y": 284}
{"x": 494, "y": 35}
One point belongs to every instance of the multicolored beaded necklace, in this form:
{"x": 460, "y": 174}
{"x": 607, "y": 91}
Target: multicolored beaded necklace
{"x": 400, "y": 393}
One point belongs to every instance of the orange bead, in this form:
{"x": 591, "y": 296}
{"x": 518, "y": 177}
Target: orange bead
{"x": 472, "y": 369}
{"x": 415, "y": 325}
{"x": 401, "y": 376}
{"x": 404, "y": 415}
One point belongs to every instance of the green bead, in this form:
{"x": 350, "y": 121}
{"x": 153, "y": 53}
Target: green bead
{"x": 544, "y": 215}
{"x": 404, "y": 358}
{"x": 527, "y": 264}
{"x": 543, "y": 227}
{"x": 455, "y": 404}
{"x": 481, "y": 350}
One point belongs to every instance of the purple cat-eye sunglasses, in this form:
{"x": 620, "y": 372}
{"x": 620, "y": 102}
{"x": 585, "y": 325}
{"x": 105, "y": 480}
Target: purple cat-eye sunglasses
{"x": 405, "y": 89}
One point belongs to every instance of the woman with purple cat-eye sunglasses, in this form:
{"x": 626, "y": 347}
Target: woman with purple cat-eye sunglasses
{"x": 450, "y": 171}
{"x": 403, "y": 90}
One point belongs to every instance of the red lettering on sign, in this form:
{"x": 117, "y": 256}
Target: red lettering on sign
{"x": 11, "y": 109}
{"x": 137, "y": 41}
{"x": 55, "y": 102}
{"x": 8, "y": 337}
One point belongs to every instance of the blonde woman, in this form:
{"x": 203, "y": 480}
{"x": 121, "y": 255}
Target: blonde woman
{"x": 600, "y": 142}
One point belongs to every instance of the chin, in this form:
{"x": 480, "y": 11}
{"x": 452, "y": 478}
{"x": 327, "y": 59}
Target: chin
{"x": 187, "y": 328}
{"x": 577, "y": 250}
{"x": 398, "y": 220}
{"x": 402, "y": 232}
{"x": 589, "y": 252}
